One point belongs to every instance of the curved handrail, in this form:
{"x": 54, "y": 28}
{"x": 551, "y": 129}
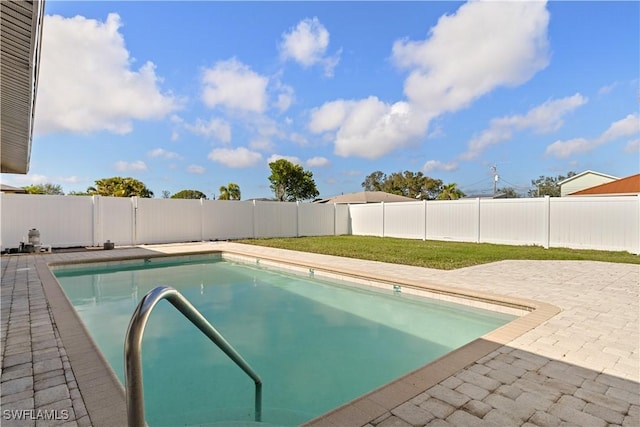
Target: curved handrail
{"x": 133, "y": 350}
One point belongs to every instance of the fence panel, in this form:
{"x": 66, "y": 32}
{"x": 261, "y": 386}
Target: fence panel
{"x": 605, "y": 223}
{"x": 452, "y": 220}
{"x": 114, "y": 221}
{"x": 343, "y": 220}
{"x": 367, "y": 219}
{"x": 167, "y": 220}
{"x": 63, "y": 221}
{"x": 513, "y": 221}
{"x": 275, "y": 219}
{"x": 404, "y": 220}
{"x": 316, "y": 219}
{"x": 227, "y": 219}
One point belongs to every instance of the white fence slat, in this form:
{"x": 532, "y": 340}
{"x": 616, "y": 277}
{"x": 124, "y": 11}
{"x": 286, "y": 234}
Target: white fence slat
{"x": 167, "y": 220}
{"x": 404, "y": 220}
{"x": 62, "y": 220}
{"x": 452, "y": 220}
{"x": 227, "y": 219}
{"x": 275, "y": 219}
{"x": 367, "y": 219}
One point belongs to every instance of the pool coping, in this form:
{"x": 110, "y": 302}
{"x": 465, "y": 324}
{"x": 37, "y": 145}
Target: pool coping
{"x": 105, "y": 397}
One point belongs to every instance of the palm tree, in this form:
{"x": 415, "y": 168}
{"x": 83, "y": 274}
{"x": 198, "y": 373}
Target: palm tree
{"x": 230, "y": 192}
{"x": 450, "y": 192}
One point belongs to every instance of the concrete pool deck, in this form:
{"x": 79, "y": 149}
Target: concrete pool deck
{"x": 579, "y": 365}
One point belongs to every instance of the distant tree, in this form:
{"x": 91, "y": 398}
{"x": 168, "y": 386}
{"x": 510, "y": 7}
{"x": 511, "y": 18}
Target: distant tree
{"x": 166, "y": 194}
{"x": 230, "y": 192}
{"x": 509, "y": 192}
{"x": 120, "y": 187}
{"x": 409, "y": 184}
{"x": 189, "y": 194}
{"x": 450, "y": 192}
{"x": 291, "y": 182}
{"x": 374, "y": 181}
{"x": 78, "y": 193}
{"x": 547, "y": 185}
{"x": 48, "y": 188}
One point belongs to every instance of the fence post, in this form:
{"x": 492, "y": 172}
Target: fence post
{"x": 638, "y": 241}
{"x": 546, "y": 227}
{"x": 253, "y": 220}
{"x": 201, "y": 219}
{"x": 424, "y": 210}
{"x": 382, "y": 207}
{"x": 478, "y": 220}
{"x": 297, "y": 218}
{"x": 97, "y": 220}
{"x": 134, "y": 221}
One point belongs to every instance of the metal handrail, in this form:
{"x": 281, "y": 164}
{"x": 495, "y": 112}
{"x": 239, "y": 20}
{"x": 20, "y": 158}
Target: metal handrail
{"x": 133, "y": 350}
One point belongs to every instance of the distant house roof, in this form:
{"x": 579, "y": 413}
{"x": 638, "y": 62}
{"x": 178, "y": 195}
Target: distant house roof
{"x": 9, "y": 189}
{"x": 627, "y": 185}
{"x": 587, "y": 172}
{"x": 584, "y": 180}
{"x": 367, "y": 197}
{"x": 499, "y": 195}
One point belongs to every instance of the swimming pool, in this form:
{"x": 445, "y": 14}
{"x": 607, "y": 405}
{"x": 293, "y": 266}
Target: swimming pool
{"x": 316, "y": 344}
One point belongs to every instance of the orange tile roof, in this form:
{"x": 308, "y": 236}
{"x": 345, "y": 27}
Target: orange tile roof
{"x": 628, "y": 185}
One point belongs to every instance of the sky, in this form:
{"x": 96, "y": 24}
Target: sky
{"x": 195, "y": 95}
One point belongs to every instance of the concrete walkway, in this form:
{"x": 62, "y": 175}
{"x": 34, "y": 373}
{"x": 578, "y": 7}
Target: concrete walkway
{"x": 581, "y": 367}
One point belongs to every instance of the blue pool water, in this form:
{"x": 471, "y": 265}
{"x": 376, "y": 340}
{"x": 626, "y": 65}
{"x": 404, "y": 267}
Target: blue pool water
{"x": 316, "y": 344}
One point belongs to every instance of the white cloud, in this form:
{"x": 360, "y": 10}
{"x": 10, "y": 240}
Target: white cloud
{"x": 292, "y": 159}
{"x": 161, "y": 152}
{"x": 298, "y": 138}
{"x": 234, "y": 85}
{"x": 545, "y": 117}
{"x": 484, "y": 45}
{"x": 262, "y": 144}
{"x": 562, "y": 149}
{"x": 330, "y": 116}
{"x": 30, "y": 179}
{"x": 368, "y": 128}
{"x": 437, "y": 165}
{"x": 87, "y": 84}
{"x": 284, "y": 98}
{"x": 317, "y": 162}
{"x": 628, "y": 126}
{"x": 70, "y": 179}
{"x": 632, "y": 146}
{"x": 218, "y": 128}
{"x": 605, "y": 90}
{"x": 196, "y": 169}
{"x": 235, "y": 157}
{"x": 307, "y": 45}
{"x": 137, "y": 166}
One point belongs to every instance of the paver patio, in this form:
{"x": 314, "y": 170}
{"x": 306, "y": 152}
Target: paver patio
{"x": 580, "y": 367}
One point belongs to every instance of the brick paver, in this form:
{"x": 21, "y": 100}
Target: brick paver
{"x": 579, "y": 367}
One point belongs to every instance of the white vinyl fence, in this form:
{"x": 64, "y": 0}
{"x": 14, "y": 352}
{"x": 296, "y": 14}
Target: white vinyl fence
{"x": 604, "y": 223}
{"x": 68, "y": 221}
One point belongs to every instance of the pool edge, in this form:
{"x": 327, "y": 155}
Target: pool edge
{"x": 108, "y": 401}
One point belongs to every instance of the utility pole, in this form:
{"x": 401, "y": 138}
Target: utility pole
{"x": 494, "y": 168}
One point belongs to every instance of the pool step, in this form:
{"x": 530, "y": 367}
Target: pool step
{"x": 238, "y": 424}
{"x": 275, "y": 417}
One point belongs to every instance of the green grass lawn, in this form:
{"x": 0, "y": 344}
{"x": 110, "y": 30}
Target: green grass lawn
{"x": 434, "y": 254}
